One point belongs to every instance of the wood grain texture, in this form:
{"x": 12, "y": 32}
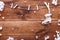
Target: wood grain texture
{"x": 28, "y": 25}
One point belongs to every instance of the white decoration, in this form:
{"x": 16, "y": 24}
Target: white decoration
{"x": 46, "y": 37}
{"x": 55, "y": 39}
{"x": 22, "y": 39}
{"x": 58, "y": 22}
{"x": 10, "y": 38}
{"x": 57, "y": 33}
{"x": 34, "y": 11}
{"x": 47, "y": 5}
{"x": 48, "y": 15}
{"x": 37, "y": 37}
{"x": 11, "y": 5}
{"x": 0, "y": 34}
{"x": 58, "y": 36}
{"x": 15, "y": 6}
{"x": 54, "y": 35}
{"x": 54, "y": 2}
{"x": 2, "y": 4}
{"x": 48, "y": 19}
{"x": 37, "y": 7}
{"x": 3, "y": 18}
{"x": 28, "y": 7}
{"x": 1, "y": 28}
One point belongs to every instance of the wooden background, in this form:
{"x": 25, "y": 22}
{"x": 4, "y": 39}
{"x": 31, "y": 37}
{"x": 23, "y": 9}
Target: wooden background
{"x": 29, "y": 25}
